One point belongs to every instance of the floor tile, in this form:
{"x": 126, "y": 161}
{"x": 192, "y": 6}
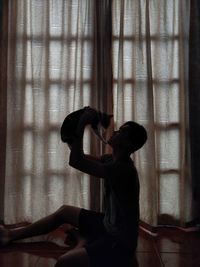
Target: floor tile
{"x": 172, "y": 240}
{"x": 16, "y": 259}
{"x": 145, "y": 242}
{"x": 180, "y": 260}
{"x": 148, "y": 259}
{"x": 44, "y": 262}
{"x": 171, "y": 248}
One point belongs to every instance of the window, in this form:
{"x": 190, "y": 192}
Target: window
{"x": 148, "y": 88}
{"x": 50, "y": 66}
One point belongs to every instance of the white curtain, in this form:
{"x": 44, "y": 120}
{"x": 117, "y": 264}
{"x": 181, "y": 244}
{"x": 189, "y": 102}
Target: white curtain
{"x": 150, "y": 66}
{"x": 58, "y": 61}
{"x": 49, "y": 75}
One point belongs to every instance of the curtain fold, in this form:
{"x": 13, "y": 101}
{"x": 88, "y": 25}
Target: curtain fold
{"x": 3, "y": 95}
{"x": 124, "y": 57}
{"x": 50, "y": 66}
{"x": 150, "y": 58}
{"x": 102, "y": 86}
{"x": 194, "y": 107}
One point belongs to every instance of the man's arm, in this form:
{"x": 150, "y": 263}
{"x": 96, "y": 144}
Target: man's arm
{"x": 85, "y": 163}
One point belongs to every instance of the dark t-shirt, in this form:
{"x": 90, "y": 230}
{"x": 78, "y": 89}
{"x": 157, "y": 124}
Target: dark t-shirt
{"x": 121, "y": 200}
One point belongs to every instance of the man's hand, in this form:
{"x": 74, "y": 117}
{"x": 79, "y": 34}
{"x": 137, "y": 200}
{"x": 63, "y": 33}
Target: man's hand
{"x": 78, "y": 159}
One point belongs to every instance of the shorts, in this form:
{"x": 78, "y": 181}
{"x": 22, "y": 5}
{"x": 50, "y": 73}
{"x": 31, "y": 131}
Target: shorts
{"x": 103, "y": 249}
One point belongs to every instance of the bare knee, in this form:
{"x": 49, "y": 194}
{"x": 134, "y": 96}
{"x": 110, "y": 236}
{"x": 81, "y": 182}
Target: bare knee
{"x": 68, "y": 214}
{"x": 62, "y": 210}
{"x": 62, "y": 213}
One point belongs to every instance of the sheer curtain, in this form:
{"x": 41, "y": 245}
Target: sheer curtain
{"x": 3, "y": 102}
{"x": 50, "y": 74}
{"x": 60, "y": 59}
{"x": 150, "y": 67}
{"x": 194, "y": 100}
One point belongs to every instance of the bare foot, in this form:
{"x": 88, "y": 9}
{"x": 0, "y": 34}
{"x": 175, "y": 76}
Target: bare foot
{"x": 4, "y": 236}
{"x": 74, "y": 239}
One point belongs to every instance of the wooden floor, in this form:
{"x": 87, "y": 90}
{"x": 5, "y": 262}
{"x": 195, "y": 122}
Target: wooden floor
{"x": 170, "y": 248}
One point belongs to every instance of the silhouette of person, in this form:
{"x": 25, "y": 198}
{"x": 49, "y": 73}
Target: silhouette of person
{"x": 112, "y": 235}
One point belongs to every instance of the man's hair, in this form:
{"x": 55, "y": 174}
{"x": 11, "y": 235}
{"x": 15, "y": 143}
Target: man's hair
{"x": 138, "y": 135}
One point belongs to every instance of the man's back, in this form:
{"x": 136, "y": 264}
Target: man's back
{"x": 121, "y": 200}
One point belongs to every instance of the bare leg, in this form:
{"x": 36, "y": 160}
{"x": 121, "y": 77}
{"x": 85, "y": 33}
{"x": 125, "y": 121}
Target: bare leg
{"x": 66, "y": 214}
{"x": 74, "y": 258}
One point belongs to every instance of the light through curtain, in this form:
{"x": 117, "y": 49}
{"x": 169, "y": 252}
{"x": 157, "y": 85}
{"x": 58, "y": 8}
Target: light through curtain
{"x": 53, "y": 69}
{"x": 49, "y": 75}
{"x": 150, "y": 47}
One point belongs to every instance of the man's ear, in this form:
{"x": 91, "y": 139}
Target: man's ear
{"x": 129, "y": 145}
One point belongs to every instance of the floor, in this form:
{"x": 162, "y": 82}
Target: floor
{"x": 170, "y": 247}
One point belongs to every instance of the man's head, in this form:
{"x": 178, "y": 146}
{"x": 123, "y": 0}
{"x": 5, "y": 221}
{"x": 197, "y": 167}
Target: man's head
{"x": 130, "y": 136}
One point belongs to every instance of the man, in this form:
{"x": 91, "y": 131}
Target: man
{"x": 112, "y": 236}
